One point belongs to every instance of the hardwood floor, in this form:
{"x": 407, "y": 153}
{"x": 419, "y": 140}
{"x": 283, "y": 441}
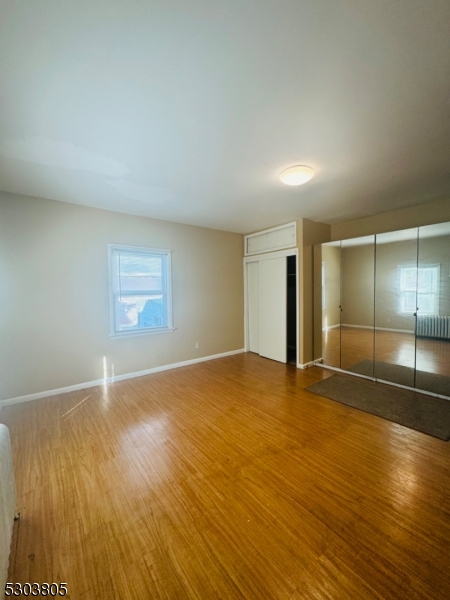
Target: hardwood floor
{"x": 227, "y": 480}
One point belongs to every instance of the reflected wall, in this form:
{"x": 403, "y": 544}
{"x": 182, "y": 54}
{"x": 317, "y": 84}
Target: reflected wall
{"x": 331, "y": 301}
{"x": 357, "y": 305}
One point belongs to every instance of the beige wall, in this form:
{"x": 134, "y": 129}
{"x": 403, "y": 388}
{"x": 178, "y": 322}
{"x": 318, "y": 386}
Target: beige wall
{"x": 326, "y": 310}
{"x": 331, "y": 314}
{"x": 358, "y": 263}
{"x": 404, "y": 218}
{"x": 358, "y": 285}
{"x": 309, "y": 233}
{"x": 358, "y": 279}
{"x": 437, "y": 251}
{"x": 54, "y": 294}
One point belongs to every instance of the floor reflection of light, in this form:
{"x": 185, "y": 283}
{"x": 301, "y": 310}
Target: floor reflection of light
{"x": 404, "y": 479}
{"x": 427, "y": 359}
{"x": 73, "y": 410}
{"x": 405, "y": 354}
{"x": 147, "y": 440}
{"x": 105, "y": 371}
{"x": 105, "y": 383}
{"x": 105, "y": 397}
{"x": 153, "y": 431}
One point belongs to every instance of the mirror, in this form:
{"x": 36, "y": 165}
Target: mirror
{"x": 395, "y": 306}
{"x": 331, "y": 300}
{"x": 433, "y": 314}
{"x": 357, "y": 301}
{"x": 382, "y": 307}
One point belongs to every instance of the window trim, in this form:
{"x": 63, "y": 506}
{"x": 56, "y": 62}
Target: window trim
{"x": 112, "y": 248}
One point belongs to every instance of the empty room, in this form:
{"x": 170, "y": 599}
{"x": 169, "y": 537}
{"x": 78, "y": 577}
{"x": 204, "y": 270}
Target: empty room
{"x": 225, "y": 299}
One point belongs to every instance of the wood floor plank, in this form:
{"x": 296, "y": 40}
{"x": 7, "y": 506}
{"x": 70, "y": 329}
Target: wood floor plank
{"x": 227, "y": 480}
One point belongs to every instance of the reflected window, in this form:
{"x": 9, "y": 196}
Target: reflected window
{"x": 140, "y": 288}
{"x": 423, "y": 281}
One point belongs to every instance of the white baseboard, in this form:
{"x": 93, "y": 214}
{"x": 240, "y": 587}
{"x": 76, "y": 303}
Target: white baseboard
{"x": 368, "y": 327}
{"x": 330, "y": 327}
{"x": 89, "y": 384}
{"x": 378, "y": 328}
{"x": 306, "y": 365}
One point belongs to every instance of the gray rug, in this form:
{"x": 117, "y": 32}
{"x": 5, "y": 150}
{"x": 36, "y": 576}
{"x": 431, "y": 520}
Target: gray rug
{"x": 438, "y": 384}
{"x": 417, "y": 411}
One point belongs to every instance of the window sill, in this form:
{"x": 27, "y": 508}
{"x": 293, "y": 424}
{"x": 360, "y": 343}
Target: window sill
{"x": 138, "y": 333}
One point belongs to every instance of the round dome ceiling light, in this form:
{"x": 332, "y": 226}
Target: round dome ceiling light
{"x": 297, "y": 175}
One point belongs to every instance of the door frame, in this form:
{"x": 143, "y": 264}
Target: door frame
{"x": 268, "y": 256}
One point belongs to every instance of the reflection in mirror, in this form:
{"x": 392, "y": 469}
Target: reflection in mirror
{"x": 330, "y": 279}
{"x": 433, "y": 315}
{"x": 357, "y": 300}
{"x": 317, "y": 306}
{"x": 395, "y": 306}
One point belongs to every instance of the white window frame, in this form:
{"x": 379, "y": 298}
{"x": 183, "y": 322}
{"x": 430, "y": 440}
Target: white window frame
{"x": 435, "y": 293}
{"x": 114, "y": 294}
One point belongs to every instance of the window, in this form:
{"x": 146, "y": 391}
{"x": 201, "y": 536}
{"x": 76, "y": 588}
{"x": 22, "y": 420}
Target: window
{"x": 425, "y": 280}
{"x": 140, "y": 287}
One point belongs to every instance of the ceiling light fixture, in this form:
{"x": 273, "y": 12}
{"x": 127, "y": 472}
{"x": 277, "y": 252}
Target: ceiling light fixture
{"x": 297, "y": 175}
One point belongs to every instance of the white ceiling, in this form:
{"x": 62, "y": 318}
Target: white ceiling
{"x": 188, "y": 111}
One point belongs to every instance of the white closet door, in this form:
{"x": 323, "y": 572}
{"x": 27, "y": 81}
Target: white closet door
{"x": 273, "y": 309}
{"x": 253, "y": 306}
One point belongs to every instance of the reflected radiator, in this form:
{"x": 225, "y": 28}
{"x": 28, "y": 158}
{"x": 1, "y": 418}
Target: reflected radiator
{"x": 7, "y": 503}
{"x": 432, "y": 326}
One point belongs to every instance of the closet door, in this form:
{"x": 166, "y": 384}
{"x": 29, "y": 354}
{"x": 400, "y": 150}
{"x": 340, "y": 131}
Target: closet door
{"x": 433, "y": 310}
{"x": 396, "y": 306}
{"x": 253, "y": 306}
{"x": 357, "y": 305}
{"x": 331, "y": 304}
{"x": 273, "y": 309}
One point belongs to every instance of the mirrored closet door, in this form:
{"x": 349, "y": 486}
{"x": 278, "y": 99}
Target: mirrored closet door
{"x": 330, "y": 301}
{"x": 347, "y": 301}
{"x": 384, "y": 302}
{"x": 357, "y": 305}
{"x": 433, "y": 310}
{"x": 395, "y": 306}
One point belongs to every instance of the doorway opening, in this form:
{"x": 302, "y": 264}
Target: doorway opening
{"x": 291, "y": 312}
